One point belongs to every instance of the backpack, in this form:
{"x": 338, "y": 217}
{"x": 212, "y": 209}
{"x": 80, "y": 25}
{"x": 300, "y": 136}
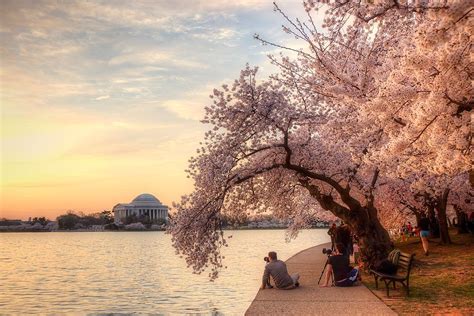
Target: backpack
{"x": 385, "y": 266}
{"x": 350, "y": 280}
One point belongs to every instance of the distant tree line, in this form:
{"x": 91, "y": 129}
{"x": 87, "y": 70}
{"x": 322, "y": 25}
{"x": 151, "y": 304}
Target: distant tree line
{"x": 72, "y": 220}
{"x": 230, "y": 220}
{"x": 42, "y": 220}
{"x": 15, "y": 222}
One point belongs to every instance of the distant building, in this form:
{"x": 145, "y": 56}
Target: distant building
{"x": 143, "y": 205}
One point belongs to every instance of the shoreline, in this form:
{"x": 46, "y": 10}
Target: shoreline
{"x": 127, "y": 231}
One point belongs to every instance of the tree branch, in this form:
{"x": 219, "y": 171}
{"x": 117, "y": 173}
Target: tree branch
{"x": 424, "y": 129}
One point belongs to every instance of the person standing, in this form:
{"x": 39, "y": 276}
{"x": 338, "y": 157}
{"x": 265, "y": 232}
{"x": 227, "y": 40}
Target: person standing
{"x": 470, "y": 223}
{"x": 409, "y": 229}
{"x": 332, "y": 233}
{"x": 403, "y": 232}
{"x": 343, "y": 235}
{"x": 424, "y": 233}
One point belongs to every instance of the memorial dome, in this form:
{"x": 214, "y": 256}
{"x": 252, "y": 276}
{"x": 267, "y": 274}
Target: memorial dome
{"x": 145, "y": 197}
{"x": 143, "y": 206}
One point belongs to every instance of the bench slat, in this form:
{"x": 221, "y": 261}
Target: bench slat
{"x": 404, "y": 260}
{"x": 404, "y": 264}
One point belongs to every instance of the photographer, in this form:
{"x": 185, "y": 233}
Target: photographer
{"x": 277, "y": 270}
{"x": 343, "y": 235}
{"x": 338, "y": 264}
{"x": 268, "y": 285}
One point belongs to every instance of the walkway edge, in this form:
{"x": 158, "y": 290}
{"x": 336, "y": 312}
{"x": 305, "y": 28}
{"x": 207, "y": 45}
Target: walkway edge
{"x": 310, "y": 299}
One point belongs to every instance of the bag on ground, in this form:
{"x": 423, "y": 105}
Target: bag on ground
{"x": 350, "y": 280}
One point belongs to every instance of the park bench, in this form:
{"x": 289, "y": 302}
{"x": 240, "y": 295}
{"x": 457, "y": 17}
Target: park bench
{"x": 404, "y": 263}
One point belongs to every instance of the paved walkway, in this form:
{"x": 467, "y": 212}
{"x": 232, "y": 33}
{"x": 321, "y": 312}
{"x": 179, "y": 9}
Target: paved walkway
{"x": 310, "y": 299}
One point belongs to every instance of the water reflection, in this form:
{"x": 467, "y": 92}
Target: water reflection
{"x": 125, "y": 272}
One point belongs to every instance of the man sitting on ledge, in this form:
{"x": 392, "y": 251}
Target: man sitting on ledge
{"x": 338, "y": 263}
{"x": 277, "y": 270}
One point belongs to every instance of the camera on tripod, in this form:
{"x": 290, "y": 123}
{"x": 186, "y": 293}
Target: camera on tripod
{"x": 327, "y": 251}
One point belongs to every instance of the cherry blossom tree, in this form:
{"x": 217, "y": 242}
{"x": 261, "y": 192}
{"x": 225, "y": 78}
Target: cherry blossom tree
{"x": 404, "y": 66}
{"x": 266, "y": 152}
{"x": 381, "y": 92}
{"x": 397, "y": 202}
{"x": 462, "y": 200}
{"x": 420, "y": 196}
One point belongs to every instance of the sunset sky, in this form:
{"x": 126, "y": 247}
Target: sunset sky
{"x": 101, "y": 100}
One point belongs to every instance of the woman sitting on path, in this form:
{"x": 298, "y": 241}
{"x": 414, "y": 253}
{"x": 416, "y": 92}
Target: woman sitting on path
{"x": 344, "y": 274}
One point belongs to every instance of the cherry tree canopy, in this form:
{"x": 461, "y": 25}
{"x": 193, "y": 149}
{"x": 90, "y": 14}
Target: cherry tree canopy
{"x": 267, "y": 152}
{"x": 383, "y": 91}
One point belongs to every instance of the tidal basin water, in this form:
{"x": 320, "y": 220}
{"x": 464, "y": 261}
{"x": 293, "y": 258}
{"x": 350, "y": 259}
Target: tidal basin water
{"x": 132, "y": 272}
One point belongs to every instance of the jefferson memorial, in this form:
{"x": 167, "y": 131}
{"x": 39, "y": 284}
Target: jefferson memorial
{"x": 143, "y": 205}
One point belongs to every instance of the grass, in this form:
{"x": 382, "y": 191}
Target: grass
{"x": 440, "y": 284}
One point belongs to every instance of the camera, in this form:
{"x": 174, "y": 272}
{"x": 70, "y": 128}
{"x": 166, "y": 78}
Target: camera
{"x": 266, "y": 259}
{"x": 327, "y": 251}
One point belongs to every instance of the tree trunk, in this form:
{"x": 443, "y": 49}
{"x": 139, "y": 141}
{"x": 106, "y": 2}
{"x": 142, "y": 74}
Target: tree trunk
{"x": 443, "y": 222}
{"x": 462, "y": 220}
{"x": 434, "y": 223}
{"x": 374, "y": 240}
{"x": 418, "y": 218}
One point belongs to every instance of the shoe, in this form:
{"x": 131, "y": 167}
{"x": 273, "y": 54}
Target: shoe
{"x": 297, "y": 284}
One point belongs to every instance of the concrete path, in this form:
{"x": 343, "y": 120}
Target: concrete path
{"x": 310, "y": 299}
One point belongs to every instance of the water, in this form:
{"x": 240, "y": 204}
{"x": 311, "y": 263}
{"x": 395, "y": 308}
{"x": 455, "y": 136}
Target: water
{"x": 132, "y": 272}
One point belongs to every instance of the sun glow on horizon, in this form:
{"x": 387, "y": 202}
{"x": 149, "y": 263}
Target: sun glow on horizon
{"x": 101, "y": 101}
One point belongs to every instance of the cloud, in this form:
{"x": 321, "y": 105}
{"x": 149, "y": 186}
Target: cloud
{"x": 135, "y": 90}
{"x": 128, "y": 137}
{"x": 223, "y": 36}
{"x": 157, "y": 60}
{"x": 185, "y": 109}
{"x": 154, "y": 57}
{"x": 33, "y": 88}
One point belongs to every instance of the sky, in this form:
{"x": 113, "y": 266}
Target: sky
{"x": 102, "y": 100}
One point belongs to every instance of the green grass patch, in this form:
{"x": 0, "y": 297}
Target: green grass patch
{"x": 466, "y": 290}
{"x": 441, "y": 283}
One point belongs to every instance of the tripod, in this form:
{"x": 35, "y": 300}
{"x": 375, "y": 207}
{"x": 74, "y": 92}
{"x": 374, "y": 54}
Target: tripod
{"x": 322, "y": 273}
